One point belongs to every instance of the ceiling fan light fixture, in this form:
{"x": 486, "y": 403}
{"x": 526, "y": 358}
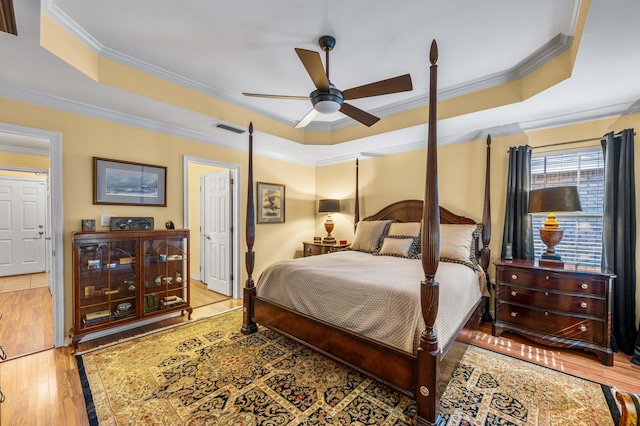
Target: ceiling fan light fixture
{"x": 327, "y": 107}
{"x": 327, "y": 102}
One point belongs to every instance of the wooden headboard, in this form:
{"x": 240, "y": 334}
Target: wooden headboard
{"x": 411, "y": 211}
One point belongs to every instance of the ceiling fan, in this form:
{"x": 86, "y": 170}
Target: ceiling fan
{"x": 7, "y": 17}
{"x": 327, "y": 99}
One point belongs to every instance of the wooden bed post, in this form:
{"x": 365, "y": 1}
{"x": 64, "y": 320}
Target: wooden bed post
{"x": 425, "y": 393}
{"x": 485, "y": 252}
{"x": 248, "y": 325}
{"x": 486, "y": 213}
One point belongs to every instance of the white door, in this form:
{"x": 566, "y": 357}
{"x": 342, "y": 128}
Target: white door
{"x": 216, "y": 231}
{"x": 22, "y": 226}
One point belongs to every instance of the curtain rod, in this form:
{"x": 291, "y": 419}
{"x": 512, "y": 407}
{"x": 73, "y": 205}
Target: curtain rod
{"x": 568, "y": 143}
{"x": 572, "y": 142}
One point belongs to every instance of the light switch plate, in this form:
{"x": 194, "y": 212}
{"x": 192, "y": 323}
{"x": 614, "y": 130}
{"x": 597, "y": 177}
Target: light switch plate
{"x": 105, "y": 219}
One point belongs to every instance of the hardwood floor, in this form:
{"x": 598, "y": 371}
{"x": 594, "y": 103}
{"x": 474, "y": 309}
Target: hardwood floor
{"x": 44, "y": 388}
{"x": 27, "y": 323}
{"x": 623, "y": 375}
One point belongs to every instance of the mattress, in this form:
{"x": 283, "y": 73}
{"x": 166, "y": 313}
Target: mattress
{"x": 373, "y": 296}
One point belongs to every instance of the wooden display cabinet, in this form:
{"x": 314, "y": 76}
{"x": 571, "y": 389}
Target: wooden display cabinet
{"x": 112, "y": 287}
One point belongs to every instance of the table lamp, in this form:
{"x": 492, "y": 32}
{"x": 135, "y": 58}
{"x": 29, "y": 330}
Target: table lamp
{"x": 328, "y": 206}
{"x": 552, "y": 200}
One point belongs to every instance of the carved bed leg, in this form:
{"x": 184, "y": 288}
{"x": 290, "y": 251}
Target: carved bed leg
{"x": 248, "y": 325}
{"x": 427, "y": 406}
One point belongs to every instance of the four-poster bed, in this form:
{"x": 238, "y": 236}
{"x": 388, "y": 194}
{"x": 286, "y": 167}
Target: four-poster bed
{"x": 421, "y": 371}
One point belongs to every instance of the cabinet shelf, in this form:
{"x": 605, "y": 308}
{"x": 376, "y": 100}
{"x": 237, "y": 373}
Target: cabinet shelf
{"x": 106, "y": 275}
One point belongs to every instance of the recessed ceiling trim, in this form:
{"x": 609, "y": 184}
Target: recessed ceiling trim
{"x": 545, "y": 53}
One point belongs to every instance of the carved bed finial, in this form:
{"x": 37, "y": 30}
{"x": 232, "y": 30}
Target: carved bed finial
{"x": 433, "y": 53}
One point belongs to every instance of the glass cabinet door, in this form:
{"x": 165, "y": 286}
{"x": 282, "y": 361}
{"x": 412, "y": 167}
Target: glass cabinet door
{"x": 165, "y": 274}
{"x": 107, "y": 282}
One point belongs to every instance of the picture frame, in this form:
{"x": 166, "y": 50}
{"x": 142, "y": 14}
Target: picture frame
{"x": 271, "y": 202}
{"x": 128, "y": 183}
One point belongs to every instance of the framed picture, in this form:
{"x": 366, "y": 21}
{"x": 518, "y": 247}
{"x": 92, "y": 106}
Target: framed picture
{"x": 270, "y": 203}
{"x": 127, "y": 183}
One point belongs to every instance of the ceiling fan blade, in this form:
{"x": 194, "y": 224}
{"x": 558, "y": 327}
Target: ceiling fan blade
{"x": 7, "y": 17}
{"x": 401, "y": 83}
{"x": 307, "y": 119}
{"x": 313, "y": 64}
{"x": 359, "y": 115}
{"x": 261, "y": 95}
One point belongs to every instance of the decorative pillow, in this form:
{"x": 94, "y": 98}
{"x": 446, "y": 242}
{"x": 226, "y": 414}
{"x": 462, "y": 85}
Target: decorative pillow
{"x": 368, "y": 235}
{"x": 404, "y": 229}
{"x": 457, "y": 244}
{"x": 400, "y": 247}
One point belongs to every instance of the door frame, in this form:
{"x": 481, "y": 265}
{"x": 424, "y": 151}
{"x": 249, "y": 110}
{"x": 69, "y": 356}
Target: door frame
{"x": 235, "y": 218}
{"x": 57, "y": 229}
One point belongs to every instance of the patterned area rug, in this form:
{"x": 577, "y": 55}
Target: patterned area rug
{"x": 206, "y": 372}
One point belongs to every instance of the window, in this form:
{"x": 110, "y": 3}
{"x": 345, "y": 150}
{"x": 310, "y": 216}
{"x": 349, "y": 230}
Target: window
{"x": 582, "y": 241}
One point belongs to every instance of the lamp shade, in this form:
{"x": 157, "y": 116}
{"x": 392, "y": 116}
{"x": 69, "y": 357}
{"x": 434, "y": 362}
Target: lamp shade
{"x": 329, "y": 206}
{"x": 557, "y": 199}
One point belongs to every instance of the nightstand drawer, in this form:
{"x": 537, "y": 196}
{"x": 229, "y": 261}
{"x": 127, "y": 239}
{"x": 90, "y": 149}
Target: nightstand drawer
{"x": 551, "y": 300}
{"x": 586, "y": 284}
{"x": 314, "y": 249}
{"x": 551, "y": 323}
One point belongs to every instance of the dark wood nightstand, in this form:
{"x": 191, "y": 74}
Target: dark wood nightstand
{"x": 314, "y": 249}
{"x": 567, "y": 308}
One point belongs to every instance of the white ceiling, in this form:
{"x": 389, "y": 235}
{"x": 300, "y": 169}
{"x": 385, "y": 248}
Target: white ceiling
{"x": 224, "y": 48}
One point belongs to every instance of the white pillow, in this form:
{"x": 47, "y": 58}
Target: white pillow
{"x": 368, "y": 235}
{"x": 404, "y": 229}
{"x": 457, "y": 244}
{"x": 399, "y": 247}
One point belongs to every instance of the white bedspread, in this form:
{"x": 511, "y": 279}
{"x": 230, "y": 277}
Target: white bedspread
{"x": 374, "y": 296}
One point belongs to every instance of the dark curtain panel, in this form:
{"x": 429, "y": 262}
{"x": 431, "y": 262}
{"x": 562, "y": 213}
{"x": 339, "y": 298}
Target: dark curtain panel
{"x": 619, "y": 236}
{"x": 518, "y": 228}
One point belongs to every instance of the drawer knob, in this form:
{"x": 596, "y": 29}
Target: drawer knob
{"x": 584, "y": 286}
{"x": 583, "y": 304}
{"x": 546, "y": 314}
{"x": 514, "y": 293}
{"x": 514, "y": 314}
{"x": 514, "y": 277}
{"x": 583, "y": 327}
{"x": 546, "y": 277}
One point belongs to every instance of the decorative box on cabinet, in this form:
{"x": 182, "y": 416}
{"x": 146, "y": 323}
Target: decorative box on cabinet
{"x": 568, "y": 308}
{"x": 121, "y": 277}
{"x": 314, "y": 249}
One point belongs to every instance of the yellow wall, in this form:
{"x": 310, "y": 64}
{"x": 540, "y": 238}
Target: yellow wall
{"x": 84, "y": 138}
{"x": 33, "y": 162}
